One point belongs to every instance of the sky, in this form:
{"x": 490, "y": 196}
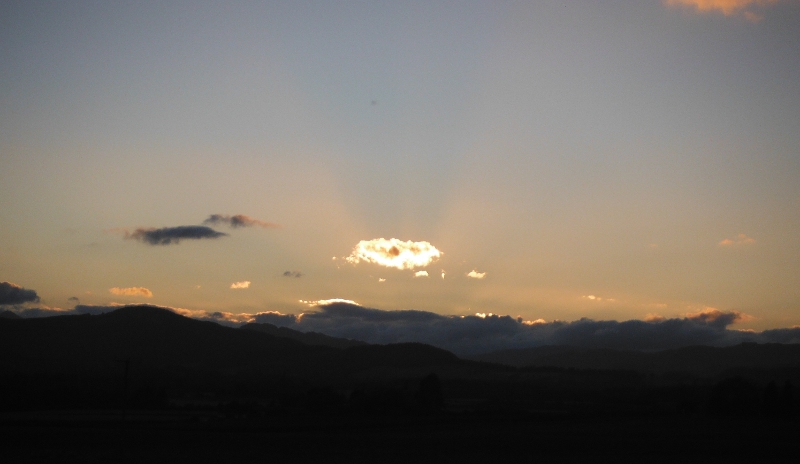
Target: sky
{"x": 616, "y": 161}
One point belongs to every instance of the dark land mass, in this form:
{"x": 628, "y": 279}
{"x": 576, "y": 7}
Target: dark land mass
{"x": 307, "y": 338}
{"x": 145, "y": 384}
{"x": 703, "y": 361}
{"x": 9, "y": 315}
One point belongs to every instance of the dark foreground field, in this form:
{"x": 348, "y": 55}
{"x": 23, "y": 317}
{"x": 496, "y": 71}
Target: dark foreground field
{"x": 456, "y": 437}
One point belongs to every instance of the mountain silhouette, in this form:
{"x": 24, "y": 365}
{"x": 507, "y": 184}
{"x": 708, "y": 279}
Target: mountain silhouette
{"x": 307, "y": 338}
{"x": 697, "y": 360}
{"x": 9, "y": 315}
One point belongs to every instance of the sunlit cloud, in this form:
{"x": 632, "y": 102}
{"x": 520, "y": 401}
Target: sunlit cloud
{"x": 653, "y": 317}
{"x": 421, "y": 274}
{"x": 597, "y": 298}
{"x": 443, "y": 273}
{"x": 714, "y": 316}
{"x": 242, "y": 284}
{"x": 536, "y": 322}
{"x": 746, "y": 8}
{"x": 239, "y": 220}
{"x": 381, "y": 279}
{"x": 131, "y": 291}
{"x": 740, "y": 240}
{"x": 394, "y": 253}
{"x": 475, "y": 274}
{"x": 328, "y": 302}
{"x": 170, "y": 235}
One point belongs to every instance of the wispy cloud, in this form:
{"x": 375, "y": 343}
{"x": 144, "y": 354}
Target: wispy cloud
{"x": 295, "y": 274}
{"x": 239, "y": 220}
{"x": 739, "y": 240}
{"x": 749, "y": 9}
{"x": 13, "y": 294}
{"x": 421, "y": 274}
{"x": 242, "y": 284}
{"x": 475, "y": 274}
{"x": 131, "y": 291}
{"x": 394, "y": 253}
{"x": 329, "y": 302}
{"x": 171, "y": 235}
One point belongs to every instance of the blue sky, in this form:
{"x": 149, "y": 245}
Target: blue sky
{"x": 643, "y": 153}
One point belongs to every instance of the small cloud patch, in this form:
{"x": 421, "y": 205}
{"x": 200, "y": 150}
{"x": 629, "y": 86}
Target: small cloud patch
{"x": 749, "y": 9}
{"x": 295, "y": 274}
{"x": 739, "y": 240}
{"x": 239, "y": 285}
{"x": 421, "y": 274}
{"x": 475, "y": 274}
{"x": 131, "y": 291}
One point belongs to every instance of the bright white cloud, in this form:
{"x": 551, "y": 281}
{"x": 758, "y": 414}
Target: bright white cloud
{"x": 131, "y": 291}
{"x": 421, "y": 274}
{"x": 475, "y": 274}
{"x": 242, "y": 284}
{"x": 327, "y": 302}
{"x": 394, "y": 253}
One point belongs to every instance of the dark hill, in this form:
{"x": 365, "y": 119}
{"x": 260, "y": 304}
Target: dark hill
{"x": 161, "y": 339}
{"x": 697, "y": 360}
{"x": 9, "y": 315}
{"x": 307, "y": 338}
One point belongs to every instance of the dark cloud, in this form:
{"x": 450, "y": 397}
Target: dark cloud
{"x": 74, "y": 299}
{"x": 13, "y": 294}
{"x": 469, "y": 335}
{"x": 295, "y": 274}
{"x": 238, "y": 220}
{"x": 31, "y": 313}
{"x": 173, "y": 235}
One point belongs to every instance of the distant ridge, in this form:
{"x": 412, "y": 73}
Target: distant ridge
{"x": 307, "y": 338}
{"x": 9, "y": 315}
{"x": 698, "y": 360}
{"x": 166, "y": 341}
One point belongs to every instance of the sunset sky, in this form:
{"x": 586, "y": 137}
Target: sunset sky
{"x": 616, "y": 160}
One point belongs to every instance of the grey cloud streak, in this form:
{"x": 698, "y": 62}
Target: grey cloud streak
{"x": 173, "y": 235}
{"x": 239, "y": 220}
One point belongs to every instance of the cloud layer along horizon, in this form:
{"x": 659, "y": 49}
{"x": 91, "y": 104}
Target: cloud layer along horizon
{"x": 483, "y": 333}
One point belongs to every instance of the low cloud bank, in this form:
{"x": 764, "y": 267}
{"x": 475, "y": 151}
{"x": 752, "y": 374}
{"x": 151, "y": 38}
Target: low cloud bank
{"x": 483, "y": 333}
{"x": 470, "y": 335}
